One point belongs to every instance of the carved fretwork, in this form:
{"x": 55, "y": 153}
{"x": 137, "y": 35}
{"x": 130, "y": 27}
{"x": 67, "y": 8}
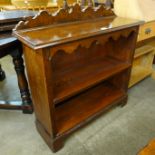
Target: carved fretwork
{"x": 75, "y": 13}
{"x": 87, "y": 43}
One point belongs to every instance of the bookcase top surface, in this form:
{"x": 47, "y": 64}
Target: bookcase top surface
{"x": 58, "y": 33}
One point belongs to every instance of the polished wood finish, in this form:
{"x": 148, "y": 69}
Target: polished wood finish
{"x": 62, "y": 16}
{"x": 10, "y": 45}
{"x": 77, "y": 68}
{"x": 86, "y": 105}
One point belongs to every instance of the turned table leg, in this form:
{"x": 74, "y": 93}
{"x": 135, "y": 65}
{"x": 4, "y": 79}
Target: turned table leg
{"x": 2, "y": 74}
{"x": 22, "y": 81}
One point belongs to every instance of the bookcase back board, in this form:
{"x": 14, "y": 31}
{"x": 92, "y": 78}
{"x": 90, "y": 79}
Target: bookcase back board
{"x": 78, "y": 63}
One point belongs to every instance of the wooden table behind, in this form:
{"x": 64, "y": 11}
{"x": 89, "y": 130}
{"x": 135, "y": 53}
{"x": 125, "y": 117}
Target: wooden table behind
{"x": 8, "y": 20}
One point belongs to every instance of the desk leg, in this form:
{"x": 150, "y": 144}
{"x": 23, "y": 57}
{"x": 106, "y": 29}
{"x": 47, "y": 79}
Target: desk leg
{"x": 2, "y": 74}
{"x": 22, "y": 82}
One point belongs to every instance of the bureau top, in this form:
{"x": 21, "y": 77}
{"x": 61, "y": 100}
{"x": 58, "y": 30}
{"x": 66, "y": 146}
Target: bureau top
{"x": 54, "y": 34}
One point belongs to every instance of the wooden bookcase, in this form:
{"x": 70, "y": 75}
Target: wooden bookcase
{"x": 77, "y": 67}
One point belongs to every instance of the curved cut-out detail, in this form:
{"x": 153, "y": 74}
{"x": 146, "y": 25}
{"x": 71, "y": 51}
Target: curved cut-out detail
{"x": 72, "y": 47}
{"x": 40, "y": 19}
{"x": 75, "y": 13}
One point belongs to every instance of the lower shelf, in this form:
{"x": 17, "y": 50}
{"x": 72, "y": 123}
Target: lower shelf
{"x": 81, "y": 108}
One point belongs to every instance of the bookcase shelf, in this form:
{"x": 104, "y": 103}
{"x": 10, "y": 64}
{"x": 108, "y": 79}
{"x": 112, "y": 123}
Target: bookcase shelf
{"x": 80, "y": 108}
{"x": 82, "y": 78}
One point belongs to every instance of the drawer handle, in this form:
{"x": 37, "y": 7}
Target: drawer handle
{"x": 148, "y": 31}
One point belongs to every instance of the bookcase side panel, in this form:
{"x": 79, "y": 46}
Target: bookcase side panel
{"x": 40, "y": 88}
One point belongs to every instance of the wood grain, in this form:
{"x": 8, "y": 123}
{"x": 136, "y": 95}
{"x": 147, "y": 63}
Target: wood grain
{"x": 65, "y": 15}
{"x": 77, "y": 68}
{"x": 93, "y": 101}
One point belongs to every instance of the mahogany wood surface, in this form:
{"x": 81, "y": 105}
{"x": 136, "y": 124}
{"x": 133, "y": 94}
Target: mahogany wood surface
{"x": 85, "y": 105}
{"x": 62, "y": 33}
{"x": 77, "y": 68}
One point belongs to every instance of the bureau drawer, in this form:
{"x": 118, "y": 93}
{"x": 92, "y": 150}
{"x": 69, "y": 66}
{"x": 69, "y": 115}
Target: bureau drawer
{"x": 146, "y": 31}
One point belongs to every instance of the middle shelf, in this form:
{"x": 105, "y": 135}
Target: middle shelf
{"x": 75, "y": 80}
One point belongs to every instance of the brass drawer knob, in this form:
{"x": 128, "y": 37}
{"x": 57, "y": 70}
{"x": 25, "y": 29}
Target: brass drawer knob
{"x": 148, "y": 31}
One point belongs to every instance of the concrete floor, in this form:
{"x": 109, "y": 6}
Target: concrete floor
{"x": 121, "y": 131}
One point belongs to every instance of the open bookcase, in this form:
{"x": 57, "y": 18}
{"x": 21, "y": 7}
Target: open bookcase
{"x": 77, "y": 67}
{"x": 79, "y": 109}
